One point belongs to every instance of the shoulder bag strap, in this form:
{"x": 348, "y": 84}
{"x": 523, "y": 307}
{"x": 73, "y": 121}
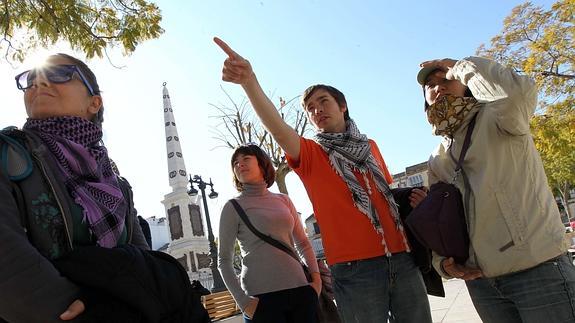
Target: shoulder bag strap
{"x": 16, "y": 165}
{"x": 466, "y": 144}
{"x": 464, "y": 148}
{"x": 15, "y": 159}
{"x": 260, "y": 235}
{"x": 459, "y": 168}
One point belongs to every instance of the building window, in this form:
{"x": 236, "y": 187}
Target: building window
{"x": 316, "y": 228}
{"x": 175, "y": 222}
{"x": 415, "y": 180}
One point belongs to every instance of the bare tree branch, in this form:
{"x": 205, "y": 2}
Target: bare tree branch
{"x": 555, "y": 74}
{"x": 239, "y": 125}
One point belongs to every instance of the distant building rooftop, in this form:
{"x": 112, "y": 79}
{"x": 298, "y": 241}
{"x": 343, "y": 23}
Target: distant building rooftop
{"x": 164, "y": 248}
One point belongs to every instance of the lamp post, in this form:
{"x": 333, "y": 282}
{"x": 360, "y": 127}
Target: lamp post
{"x": 218, "y": 282}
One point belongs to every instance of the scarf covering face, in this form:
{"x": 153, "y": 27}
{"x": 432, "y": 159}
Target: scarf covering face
{"x": 447, "y": 114}
{"x": 87, "y": 173}
{"x": 350, "y": 151}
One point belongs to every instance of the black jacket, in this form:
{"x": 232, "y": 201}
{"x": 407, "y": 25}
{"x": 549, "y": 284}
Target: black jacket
{"x": 35, "y": 226}
{"x": 139, "y": 285}
{"x": 421, "y": 255}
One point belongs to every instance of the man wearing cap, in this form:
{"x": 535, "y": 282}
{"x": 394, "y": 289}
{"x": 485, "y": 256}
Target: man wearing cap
{"x": 518, "y": 269}
{"x": 345, "y": 176}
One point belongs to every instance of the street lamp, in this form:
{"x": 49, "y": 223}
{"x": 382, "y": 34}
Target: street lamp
{"x": 218, "y": 282}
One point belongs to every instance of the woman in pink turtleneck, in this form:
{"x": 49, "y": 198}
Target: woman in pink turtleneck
{"x": 272, "y": 285}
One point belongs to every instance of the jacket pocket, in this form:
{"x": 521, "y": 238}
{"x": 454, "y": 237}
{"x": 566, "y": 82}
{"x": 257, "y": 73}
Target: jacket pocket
{"x": 513, "y": 220}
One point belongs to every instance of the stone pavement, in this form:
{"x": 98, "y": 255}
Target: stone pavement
{"x": 456, "y": 307}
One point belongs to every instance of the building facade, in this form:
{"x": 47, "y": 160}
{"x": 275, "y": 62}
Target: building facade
{"x": 314, "y": 235}
{"x": 415, "y": 175}
{"x": 159, "y": 232}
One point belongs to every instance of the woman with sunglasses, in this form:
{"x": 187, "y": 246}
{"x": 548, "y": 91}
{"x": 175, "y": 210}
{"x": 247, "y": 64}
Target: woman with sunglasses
{"x": 273, "y": 286}
{"x": 66, "y": 196}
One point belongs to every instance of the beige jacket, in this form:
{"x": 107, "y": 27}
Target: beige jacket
{"x": 513, "y": 220}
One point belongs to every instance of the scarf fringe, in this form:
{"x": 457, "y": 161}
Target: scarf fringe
{"x": 351, "y": 151}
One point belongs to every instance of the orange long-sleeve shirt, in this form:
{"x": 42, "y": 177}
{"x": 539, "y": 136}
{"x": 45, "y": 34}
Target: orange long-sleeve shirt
{"x": 347, "y": 234}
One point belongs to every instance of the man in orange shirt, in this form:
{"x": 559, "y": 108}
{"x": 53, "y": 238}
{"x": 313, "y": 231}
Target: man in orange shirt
{"x": 347, "y": 182}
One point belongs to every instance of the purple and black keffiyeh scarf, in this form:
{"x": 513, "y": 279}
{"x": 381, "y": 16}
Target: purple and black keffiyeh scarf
{"x": 84, "y": 165}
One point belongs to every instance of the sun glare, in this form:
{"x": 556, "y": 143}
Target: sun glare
{"x": 37, "y": 58}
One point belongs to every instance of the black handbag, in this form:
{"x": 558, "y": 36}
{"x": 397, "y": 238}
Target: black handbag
{"x": 269, "y": 239}
{"x": 439, "y": 222}
{"x": 420, "y": 253}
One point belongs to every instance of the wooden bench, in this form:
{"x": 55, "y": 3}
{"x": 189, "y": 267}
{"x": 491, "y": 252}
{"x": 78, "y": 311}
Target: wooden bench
{"x": 220, "y": 305}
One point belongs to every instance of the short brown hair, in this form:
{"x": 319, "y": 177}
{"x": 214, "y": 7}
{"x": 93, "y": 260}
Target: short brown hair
{"x": 264, "y": 161}
{"x": 337, "y": 95}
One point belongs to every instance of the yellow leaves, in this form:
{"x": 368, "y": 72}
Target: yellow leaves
{"x": 529, "y": 64}
{"x": 554, "y": 137}
{"x": 565, "y": 10}
{"x": 540, "y": 42}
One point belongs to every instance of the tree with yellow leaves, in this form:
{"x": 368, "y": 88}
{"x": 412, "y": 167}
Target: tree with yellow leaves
{"x": 541, "y": 43}
{"x": 554, "y": 136}
{"x": 89, "y": 26}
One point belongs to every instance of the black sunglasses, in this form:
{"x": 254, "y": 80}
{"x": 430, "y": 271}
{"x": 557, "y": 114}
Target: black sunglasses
{"x": 54, "y": 73}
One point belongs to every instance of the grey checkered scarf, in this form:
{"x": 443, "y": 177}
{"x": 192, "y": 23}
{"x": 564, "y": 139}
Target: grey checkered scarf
{"x": 349, "y": 151}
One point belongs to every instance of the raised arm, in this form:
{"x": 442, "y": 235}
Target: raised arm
{"x": 238, "y": 70}
{"x": 490, "y": 81}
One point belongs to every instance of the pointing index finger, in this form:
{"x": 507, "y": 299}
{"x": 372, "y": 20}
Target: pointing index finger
{"x": 227, "y": 49}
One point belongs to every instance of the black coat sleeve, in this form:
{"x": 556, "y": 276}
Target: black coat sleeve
{"x": 137, "y": 235}
{"x": 31, "y": 289}
{"x": 145, "y": 230}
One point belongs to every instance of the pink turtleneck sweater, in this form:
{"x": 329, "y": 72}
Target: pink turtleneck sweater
{"x": 265, "y": 268}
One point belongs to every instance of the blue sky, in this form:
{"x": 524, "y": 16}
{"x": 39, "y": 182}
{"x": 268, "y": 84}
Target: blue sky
{"x": 370, "y": 50}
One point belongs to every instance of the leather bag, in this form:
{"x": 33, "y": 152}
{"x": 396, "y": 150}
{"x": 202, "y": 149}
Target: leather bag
{"x": 439, "y": 221}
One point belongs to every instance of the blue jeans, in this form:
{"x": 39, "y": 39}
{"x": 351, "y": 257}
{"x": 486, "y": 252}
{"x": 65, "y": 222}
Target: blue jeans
{"x": 544, "y": 293}
{"x": 295, "y": 305}
{"x": 366, "y": 291}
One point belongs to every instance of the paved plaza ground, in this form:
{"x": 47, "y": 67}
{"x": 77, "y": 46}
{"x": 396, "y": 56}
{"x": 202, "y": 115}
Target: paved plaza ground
{"x": 456, "y": 307}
